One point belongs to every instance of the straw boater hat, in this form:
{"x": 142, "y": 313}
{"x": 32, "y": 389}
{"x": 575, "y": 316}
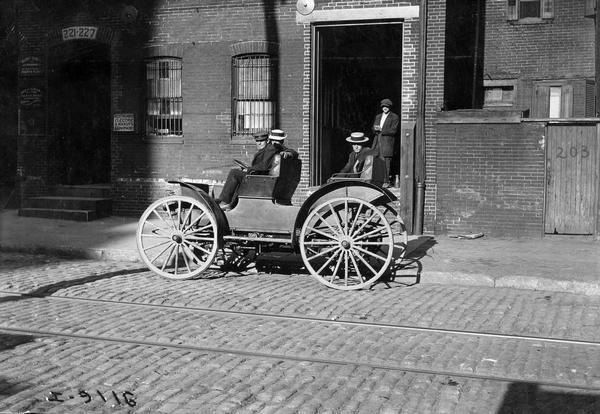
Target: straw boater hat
{"x": 386, "y": 102}
{"x": 277, "y": 135}
{"x": 260, "y": 136}
{"x": 357, "y": 138}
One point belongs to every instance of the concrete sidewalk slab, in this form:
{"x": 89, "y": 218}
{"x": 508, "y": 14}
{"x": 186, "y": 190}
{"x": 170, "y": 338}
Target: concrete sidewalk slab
{"x": 553, "y": 263}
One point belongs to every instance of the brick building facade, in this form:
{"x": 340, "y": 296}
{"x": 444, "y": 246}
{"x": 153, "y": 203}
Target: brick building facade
{"x": 319, "y": 91}
{"x": 527, "y": 163}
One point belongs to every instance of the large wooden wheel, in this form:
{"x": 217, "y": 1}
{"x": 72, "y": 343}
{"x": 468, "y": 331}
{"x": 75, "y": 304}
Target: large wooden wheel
{"x": 177, "y": 237}
{"x": 346, "y": 243}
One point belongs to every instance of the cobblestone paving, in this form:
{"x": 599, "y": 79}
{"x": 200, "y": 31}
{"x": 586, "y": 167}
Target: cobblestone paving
{"x": 161, "y": 380}
{"x": 174, "y": 379}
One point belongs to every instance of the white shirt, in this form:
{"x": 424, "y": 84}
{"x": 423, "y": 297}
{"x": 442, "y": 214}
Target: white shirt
{"x": 383, "y": 118}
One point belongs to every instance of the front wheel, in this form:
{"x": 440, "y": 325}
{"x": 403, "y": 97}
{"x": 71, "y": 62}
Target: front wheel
{"x": 177, "y": 237}
{"x": 346, "y": 243}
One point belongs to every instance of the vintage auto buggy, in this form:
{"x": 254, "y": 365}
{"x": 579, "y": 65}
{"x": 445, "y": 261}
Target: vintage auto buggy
{"x": 348, "y": 231}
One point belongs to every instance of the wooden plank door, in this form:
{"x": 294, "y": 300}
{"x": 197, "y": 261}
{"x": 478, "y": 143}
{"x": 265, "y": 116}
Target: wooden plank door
{"x": 572, "y": 179}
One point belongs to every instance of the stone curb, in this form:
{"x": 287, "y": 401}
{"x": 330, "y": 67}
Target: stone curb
{"x": 513, "y": 281}
{"x": 71, "y": 252}
{"x": 426, "y": 277}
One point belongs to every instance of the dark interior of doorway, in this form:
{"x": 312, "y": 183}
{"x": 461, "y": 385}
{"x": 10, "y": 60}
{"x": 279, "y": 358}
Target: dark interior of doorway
{"x": 359, "y": 65}
{"x": 79, "y": 113}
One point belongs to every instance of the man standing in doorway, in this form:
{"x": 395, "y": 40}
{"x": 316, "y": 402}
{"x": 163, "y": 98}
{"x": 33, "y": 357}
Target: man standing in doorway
{"x": 385, "y": 128}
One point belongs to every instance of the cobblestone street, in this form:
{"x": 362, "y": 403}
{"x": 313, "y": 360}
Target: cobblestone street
{"x": 98, "y": 336}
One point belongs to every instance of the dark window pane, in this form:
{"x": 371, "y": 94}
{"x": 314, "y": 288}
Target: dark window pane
{"x": 529, "y": 9}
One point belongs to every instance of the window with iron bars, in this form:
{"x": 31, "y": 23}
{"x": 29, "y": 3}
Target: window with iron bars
{"x": 164, "y": 101}
{"x": 253, "y": 94}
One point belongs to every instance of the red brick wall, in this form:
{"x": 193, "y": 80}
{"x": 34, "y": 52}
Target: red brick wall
{"x": 490, "y": 178}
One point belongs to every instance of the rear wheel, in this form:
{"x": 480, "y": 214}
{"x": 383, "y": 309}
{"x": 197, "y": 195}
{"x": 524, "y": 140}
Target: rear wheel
{"x": 177, "y": 237}
{"x": 346, "y": 243}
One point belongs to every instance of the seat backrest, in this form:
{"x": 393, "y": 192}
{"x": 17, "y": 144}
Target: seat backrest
{"x": 289, "y": 170}
{"x": 373, "y": 170}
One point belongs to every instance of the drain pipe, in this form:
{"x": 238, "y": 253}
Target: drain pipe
{"x": 420, "y": 133}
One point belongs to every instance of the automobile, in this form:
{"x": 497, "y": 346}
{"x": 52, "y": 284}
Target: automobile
{"x": 348, "y": 231}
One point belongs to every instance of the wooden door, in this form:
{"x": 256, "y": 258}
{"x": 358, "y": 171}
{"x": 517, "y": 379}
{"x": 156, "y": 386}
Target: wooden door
{"x": 572, "y": 179}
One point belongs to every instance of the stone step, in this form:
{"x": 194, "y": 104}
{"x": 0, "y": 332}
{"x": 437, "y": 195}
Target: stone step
{"x": 101, "y": 205}
{"x": 92, "y": 190}
{"x": 75, "y": 215}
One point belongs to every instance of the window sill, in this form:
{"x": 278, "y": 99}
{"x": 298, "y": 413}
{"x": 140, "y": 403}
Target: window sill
{"x": 242, "y": 139}
{"x": 166, "y": 139}
{"x": 529, "y": 21}
{"x": 497, "y": 104}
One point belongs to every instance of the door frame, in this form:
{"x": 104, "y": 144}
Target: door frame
{"x": 315, "y": 142}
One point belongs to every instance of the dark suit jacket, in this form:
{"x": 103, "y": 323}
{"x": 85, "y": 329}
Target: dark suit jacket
{"x": 263, "y": 159}
{"x": 356, "y": 161}
{"x": 383, "y": 143}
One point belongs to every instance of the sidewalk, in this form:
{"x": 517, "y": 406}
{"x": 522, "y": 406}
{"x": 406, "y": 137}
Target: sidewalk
{"x": 554, "y": 263}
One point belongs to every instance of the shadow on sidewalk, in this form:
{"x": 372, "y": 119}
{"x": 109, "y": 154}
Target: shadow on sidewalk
{"x": 50, "y": 289}
{"x": 410, "y": 267}
{"x": 10, "y": 341}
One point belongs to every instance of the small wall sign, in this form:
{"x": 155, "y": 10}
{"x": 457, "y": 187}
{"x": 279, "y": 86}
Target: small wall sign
{"x": 124, "y": 122}
{"x": 30, "y": 66}
{"x": 31, "y": 97}
{"x": 79, "y": 32}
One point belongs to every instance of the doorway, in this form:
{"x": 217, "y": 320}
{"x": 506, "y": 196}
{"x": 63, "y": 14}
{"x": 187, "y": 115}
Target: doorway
{"x": 355, "y": 67}
{"x": 571, "y": 178}
{"x": 79, "y": 113}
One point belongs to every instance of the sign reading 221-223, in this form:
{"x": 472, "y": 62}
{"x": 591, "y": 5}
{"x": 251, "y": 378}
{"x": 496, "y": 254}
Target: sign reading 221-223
{"x": 79, "y": 32}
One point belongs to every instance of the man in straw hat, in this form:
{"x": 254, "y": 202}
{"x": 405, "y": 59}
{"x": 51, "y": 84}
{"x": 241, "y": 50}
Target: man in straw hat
{"x": 385, "y": 127}
{"x": 268, "y": 145}
{"x": 356, "y": 159}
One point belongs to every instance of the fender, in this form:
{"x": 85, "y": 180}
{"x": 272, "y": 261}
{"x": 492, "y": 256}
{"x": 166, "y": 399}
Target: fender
{"x": 196, "y": 192}
{"x": 342, "y": 188}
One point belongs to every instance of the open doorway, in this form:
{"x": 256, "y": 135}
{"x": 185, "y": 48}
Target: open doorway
{"x": 79, "y": 113}
{"x": 355, "y": 67}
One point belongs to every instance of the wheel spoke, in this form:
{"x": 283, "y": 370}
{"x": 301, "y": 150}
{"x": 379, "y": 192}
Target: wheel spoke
{"x": 197, "y": 219}
{"x": 355, "y": 219}
{"x": 158, "y": 244}
{"x": 185, "y": 258}
{"x": 337, "y": 266}
{"x": 329, "y": 236}
{"x": 362, "y": 279}
{"x": 197, "y": 246}
{"x": 196, "y": 231}
{"x": 156, "y": 236}
{"x": 321, "y": 243}
{"x": 371, "y": 233}
{"x": 159, "y": 254}
{"x": 168, "y": 259}
{"x": 337, "y": 218}
{"x": 379, "y": 243}
{"x": 160, "y": 218}
{"x": 198, "y": 238}
{"x": 326, "y": 223}
{"x": 179, "y": 214}
{"x": 360, "y": 249}
{"x": 156, "y": 227}
{"x": 327, "y": 262}
{"x": 176, "y": 259}
{"x": 362, "y": 259}
{"x": 170, "y": 215}
{"x": 324, "y": 252}
{"x": 346, "y": 268}
{"x": 196, "y": 258}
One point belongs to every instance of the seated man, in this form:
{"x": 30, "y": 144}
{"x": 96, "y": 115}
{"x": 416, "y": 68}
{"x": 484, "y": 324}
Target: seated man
{"x": 356, "y": 159}
{"x": 269, "y": 145}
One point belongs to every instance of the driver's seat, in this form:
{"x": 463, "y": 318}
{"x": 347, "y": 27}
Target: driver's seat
{"x": 279, "y": 185}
